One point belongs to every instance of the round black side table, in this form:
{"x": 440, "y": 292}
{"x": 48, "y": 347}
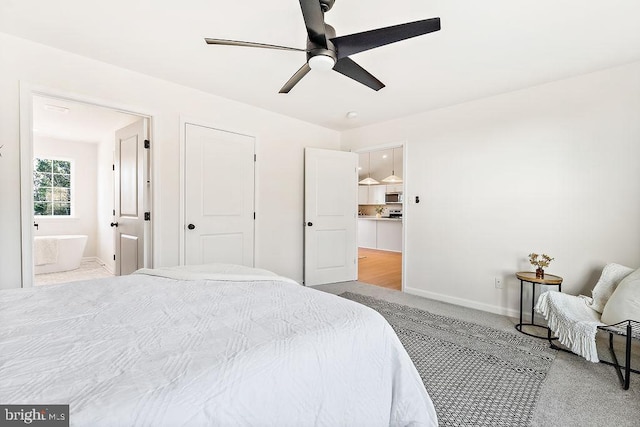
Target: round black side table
{"x": 530, "y": 277}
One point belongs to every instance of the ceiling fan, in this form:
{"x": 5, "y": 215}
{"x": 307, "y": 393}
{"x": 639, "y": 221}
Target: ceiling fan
{"x": 325, "y": 51}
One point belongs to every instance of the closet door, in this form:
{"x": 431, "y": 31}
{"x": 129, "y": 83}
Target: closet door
{"x": 219, "y": 196}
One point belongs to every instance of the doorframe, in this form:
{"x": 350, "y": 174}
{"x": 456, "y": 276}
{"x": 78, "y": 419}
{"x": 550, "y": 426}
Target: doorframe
{"x": 405, "y": 201}
{"x": 27, "y": 92}
{"x": 184, "y": 120}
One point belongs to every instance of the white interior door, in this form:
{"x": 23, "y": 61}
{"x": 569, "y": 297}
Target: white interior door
{"x": 331, "y": 207}
{"x": 131, "y": 167}
{"x": 219, "y": 196}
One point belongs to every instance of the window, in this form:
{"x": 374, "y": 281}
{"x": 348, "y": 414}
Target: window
{"x": 51, "y": 187}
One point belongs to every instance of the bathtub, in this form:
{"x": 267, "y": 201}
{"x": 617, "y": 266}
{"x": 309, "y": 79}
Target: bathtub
{"x": 63, "y": 253}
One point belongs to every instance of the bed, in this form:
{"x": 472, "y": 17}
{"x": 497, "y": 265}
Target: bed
{"x": 214, "y": 345}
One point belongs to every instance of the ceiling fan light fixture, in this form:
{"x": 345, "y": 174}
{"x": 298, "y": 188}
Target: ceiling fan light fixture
{"x": 322, "y": 62}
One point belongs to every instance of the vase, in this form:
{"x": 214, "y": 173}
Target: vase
{"x": 539, "y": 273}
{"x": 378, "y": 215}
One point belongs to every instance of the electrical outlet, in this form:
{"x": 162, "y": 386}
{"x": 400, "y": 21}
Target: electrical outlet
{"x": 498, "y": 282}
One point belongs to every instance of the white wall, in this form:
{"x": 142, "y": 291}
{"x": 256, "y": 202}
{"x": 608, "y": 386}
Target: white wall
{"x": 280, "y": 144}
{"x": 83, "y": 220}
{"x": 553, "y": 169}
{"x": 105, "y": 204}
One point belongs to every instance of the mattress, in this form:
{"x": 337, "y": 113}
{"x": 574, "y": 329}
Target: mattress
{"x": 206, "y": 346}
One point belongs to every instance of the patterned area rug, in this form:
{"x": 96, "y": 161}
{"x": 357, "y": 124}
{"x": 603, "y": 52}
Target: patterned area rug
{"x": 475, "y": 375}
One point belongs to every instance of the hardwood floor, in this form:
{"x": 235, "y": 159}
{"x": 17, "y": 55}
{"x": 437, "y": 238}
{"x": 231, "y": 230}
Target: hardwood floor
{"x": 380, "y": 268}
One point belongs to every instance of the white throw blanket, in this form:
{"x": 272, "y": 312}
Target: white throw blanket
{"x": 573, "y": 321}
{"x": 45, "y": 251}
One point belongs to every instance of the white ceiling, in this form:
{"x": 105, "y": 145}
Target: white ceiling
{"x": 80, "y": 122}
{"x": 484, "y": 48}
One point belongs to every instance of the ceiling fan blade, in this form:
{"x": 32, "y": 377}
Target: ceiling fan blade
{"x": 314, "y": 21}
{"x": 347, "y": 67}
{"x": 295, "y": 78}
{"x": 250, "y": 44}
{"x": 359, "y": 42}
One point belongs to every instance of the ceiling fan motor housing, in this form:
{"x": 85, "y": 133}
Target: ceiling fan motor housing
{"x": 314, "y": 49}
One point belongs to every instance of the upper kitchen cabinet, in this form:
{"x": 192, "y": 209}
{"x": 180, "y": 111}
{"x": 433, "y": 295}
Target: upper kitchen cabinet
{"x": 394, "y": 188}
{"x": 371, "y": 194}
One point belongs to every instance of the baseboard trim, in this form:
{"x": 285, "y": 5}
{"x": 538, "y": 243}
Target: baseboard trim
{"x": 463, "y": 302}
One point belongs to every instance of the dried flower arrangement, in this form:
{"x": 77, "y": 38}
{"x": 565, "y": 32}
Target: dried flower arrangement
{"x": 540, "y": 262}
{"x": 379, "y": 209}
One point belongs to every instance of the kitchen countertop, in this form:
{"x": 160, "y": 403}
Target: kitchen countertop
{"x": 379, "y": 219}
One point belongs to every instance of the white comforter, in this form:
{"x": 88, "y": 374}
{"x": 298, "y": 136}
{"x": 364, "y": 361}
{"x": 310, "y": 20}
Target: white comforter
{"x": 149, "y": 350}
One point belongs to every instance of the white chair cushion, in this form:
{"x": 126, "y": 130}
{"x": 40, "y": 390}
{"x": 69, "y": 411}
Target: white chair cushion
{"x": 611, "y": 275}
{"x": 624, "y": 303}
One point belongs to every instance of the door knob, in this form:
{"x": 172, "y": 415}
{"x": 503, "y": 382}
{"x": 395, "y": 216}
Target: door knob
{"x": 114, "y": 224}
{"x": 310, "y": 224}
{"x": 191, "y": 226}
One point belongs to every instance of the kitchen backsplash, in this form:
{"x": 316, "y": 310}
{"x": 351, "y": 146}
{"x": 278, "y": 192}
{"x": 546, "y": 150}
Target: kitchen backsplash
{"x": 370, "y": 210}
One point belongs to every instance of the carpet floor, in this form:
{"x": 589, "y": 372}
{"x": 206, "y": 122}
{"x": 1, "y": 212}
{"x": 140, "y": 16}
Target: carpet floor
{"x": 574, "y": 393}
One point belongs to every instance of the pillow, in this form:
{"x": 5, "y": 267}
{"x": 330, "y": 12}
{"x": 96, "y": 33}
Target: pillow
{"x": 624, "y": 304}
{"x": 611, "y": 275}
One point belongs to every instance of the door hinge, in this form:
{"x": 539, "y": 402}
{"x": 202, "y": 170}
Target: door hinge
{"x": 114, "y": 257}
{"x": 147, "y": 216}
{"x": 114, "y": 212}
{"x": 255, "y": 157}
{"x": 147, "y": 144}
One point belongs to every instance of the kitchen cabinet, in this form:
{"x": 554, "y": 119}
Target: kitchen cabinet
{"x": 394, "y": 188}
{"x": 384, "y": 234}
{"x": 363, "y": 194}
{"x": 389, "y": 235}
{"x": 366, "y": 233}
{"x": 371, "y": 194}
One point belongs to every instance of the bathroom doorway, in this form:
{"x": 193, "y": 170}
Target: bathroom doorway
{"x": 72, "y": 203}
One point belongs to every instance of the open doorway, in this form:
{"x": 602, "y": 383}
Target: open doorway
{"x": 69, "y": 190}
{"x": 380, "y": 216}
